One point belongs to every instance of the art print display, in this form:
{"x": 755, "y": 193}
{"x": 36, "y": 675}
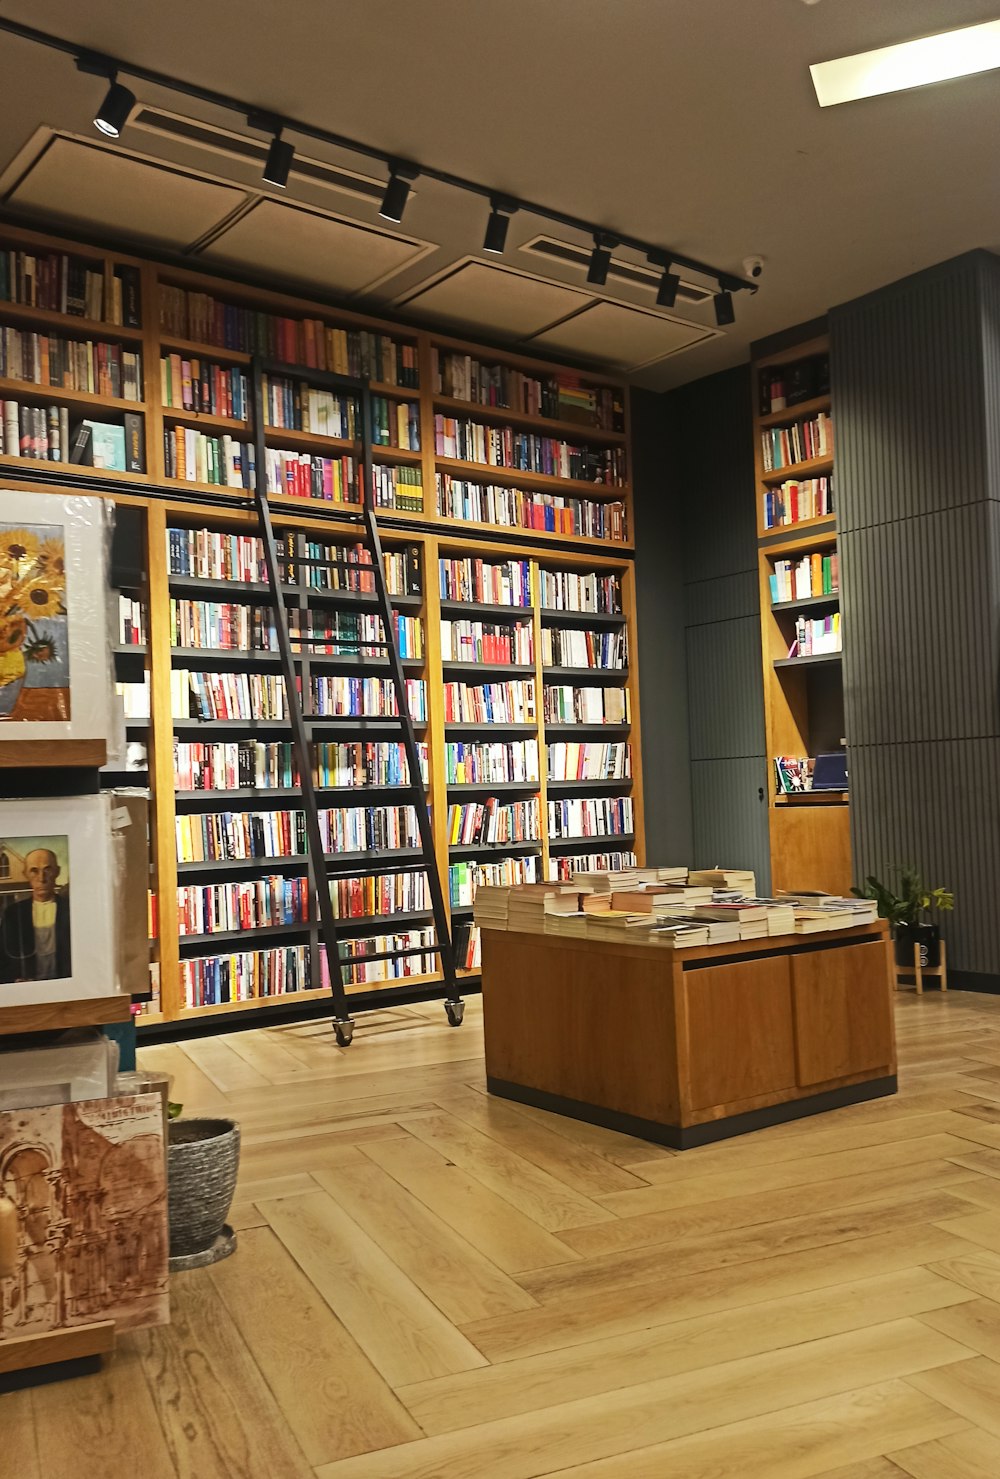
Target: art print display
{"x": 54, "y": 675}
{"x": 56, "y": 900}
{"x": 87, "y": 1182}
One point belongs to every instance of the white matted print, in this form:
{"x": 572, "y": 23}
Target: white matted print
{"x": 56, "y": 900}
{"x": 54, "y": 673}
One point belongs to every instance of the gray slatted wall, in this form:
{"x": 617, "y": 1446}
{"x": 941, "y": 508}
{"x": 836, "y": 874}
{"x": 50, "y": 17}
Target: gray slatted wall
{"x": 711, "y": 437}
{"x": 916, "y": 389}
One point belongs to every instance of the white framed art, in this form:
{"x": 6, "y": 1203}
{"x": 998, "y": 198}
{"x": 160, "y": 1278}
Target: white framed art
{"x": 56, "y": 900}
{"x": 55, "y": 679}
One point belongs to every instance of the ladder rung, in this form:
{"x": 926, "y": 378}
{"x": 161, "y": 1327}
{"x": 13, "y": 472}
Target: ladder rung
{"x": 391, "y": 954}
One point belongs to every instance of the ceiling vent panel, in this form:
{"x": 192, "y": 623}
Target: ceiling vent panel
{"x": 94, "y": 186}
{"x": 248, "y": 149}
{"x": 551, "y": 251}
{"x": 315, "y": 249}
{"x": 497, "y": 299}
{"x": 627, "y": 338}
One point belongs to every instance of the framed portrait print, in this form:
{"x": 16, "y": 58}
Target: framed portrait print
{"x": 56, "y": 900}
{"x": 54, "y": 667}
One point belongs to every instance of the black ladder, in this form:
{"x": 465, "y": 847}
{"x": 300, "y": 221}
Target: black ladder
{"x": 364, "y": 517}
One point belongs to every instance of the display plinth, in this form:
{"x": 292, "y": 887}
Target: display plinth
{"x": 687, "y": 1047}
{"x": 75, "y": 1351}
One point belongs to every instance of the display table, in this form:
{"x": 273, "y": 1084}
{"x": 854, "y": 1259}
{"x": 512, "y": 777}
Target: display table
{"x": 689, "y": 1046}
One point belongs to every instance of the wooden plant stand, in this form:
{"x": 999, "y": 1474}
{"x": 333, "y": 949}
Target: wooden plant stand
{"x": 920, "y": 971}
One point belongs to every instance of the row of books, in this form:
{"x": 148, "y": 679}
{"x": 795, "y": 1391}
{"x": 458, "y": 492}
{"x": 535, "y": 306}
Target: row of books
{"x": 245, "y": 975}
{"x": 224, "y": 461}
{"x": 784, "y": 386}
{"x": 61, "y": 283}
{"x": 565, "y": 704}
{"x": 479, "y": 762}
{"x": 256, "y": 903}
{"x": 218, "y": 836}
{"x": 38, "y": 432}
{"x": 797, "y": 500}
{"x": 608, "y": 816}
{"x": 817, "y": 574}
{"x": 569, "y": 590}
{"x": 338, "y": 696}
{"x": 466, "y": 942}
{"x": 259, "y": 765}
{"x": 412, "y": 953}
{"x": 465, "y": 878}
{"x": 384, "y": 893}
{"x": 202, "y": 386}
{"x": 572, "y": 761}
{"x": 525, "y": 451}
{"x": 563, "y": 869}
{"x": 71, "y": 364}
{"x": 293, "y": 405}
{"x": 561, "y": 397}
{"x": 229, "y": 627}
{"x": 571, "y": 647}
{"x": 506, "y": 583}
{"x": 296, "y": 341}
{"x": 513, "y": 508}
{"x": 489, "y": 703}
{"x": 131, "y": 621}
{"x": 309, "y": 475}
{"x": 480, "y": 823}
{"x": 209, "y": 554}
{"x": 816, "y": 635}
{"x": 396, "y": 423}
{"x": 487, "y": 642}
{"x": 226, "y": 695}
{"x": 398, "y": 487}
{"x": 784, "y": 446}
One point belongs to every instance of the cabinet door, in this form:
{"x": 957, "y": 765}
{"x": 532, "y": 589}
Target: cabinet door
{"x": 843, "y": 1012}
{"x": 740, "y": 1040}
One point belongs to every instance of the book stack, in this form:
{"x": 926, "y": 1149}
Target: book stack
{"x": 466, "y": 878}
{"x": 528, "y": 904}
{"x": 741, "y": 880}
{"x": 751, "y": 918}
{"x": 618, "y": 926}
{"x": 678, "y": 934}
{"x": 490, "y": 908}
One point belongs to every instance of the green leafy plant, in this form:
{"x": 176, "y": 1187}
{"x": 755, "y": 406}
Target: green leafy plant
{"x": 912, "y": 900}
{"x": 174, "y": 1110}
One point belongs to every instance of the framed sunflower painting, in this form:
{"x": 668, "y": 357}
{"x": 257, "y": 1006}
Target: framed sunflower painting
{"x": 54, "y": 665}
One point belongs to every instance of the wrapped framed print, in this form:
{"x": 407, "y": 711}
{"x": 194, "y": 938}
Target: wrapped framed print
{"x": 56, "y": 900}
{"x": 55, "y": 680}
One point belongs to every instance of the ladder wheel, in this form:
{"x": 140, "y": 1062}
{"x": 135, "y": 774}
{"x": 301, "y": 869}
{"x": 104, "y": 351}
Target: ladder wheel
{"x": 455, "y": 1011}
{"x": 344, "y": 1032}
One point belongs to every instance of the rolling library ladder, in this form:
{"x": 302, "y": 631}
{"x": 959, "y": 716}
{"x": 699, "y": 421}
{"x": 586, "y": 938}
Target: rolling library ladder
{"x": 291, "y": 665}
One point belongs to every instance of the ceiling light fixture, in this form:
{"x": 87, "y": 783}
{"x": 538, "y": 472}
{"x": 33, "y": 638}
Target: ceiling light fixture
{"x": 940, "y": 58}
{"x": 397, "y": 192}
{"x": 666, "y": 293}
{"x": 120, "y": 101}
{"x": 600, "y": 259}
{"x": 496, "y": 227}
{"x": 279, "y": 161}
{"x": 725, "y": 313}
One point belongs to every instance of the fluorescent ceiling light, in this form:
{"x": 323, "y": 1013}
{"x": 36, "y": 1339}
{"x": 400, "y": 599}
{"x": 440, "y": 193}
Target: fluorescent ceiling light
{"x": 910, "y": 64}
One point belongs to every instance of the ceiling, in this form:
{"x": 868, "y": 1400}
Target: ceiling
{"x": 691, "y": 123}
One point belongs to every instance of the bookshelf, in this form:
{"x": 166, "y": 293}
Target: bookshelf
{"x": 194, "y": 335}
{"x": 800, "y": 608}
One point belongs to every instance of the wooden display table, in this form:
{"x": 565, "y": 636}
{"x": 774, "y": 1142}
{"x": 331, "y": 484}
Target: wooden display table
{"x": 687, "y": 1047}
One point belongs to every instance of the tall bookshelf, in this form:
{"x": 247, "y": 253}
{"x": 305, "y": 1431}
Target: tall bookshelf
{"x": 564, "y": 518}
{"x": 800, "y": 641}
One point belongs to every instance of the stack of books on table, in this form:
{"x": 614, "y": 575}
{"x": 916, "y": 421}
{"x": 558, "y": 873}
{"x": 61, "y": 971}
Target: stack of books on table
{"x": 680, "y": 934}
{"x": 750, "y": 919}
{"x": 817, "y": 912}
{"x": 740, "y": 881}
{"x": 490, "y": 907}
{"x": 529, "y": 903}
{"x": 619, "y": 926}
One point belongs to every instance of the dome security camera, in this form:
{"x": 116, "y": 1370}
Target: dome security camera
{"x": 753, "y": 267}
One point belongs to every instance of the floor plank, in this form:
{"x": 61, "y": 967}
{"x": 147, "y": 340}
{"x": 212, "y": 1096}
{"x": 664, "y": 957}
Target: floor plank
{"x": 976, "y": 1324}
{"x": 969, "y": 1454}
{"x": 327, "y": 1389}
{"x": 19, "y": 1447}
{"x": 973, "y": 1391}
{"x": 402, "y": 1332}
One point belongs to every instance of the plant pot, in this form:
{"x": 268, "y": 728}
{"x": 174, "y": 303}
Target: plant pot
{"x": 927, "y": 936}
{"x": 203, "y": 1159}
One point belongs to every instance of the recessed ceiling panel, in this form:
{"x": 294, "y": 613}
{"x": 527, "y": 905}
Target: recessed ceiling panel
{"x": 625, "y": 337}
{"x": 315, "y": 249}
{"x": 97, "y": 186}
{"x": 495, "y": 298}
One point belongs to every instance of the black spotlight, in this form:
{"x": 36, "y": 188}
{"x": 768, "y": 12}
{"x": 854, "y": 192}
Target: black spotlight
{"x": 397, "y": 192}
{"x": 496, "y": 227}
{"x": 113, "y": 113}
{"x": 725, "y": 313}
{"x": 666, "y": 293}
{"x": 600, "y": 261}
{"x": 279, "y": 161}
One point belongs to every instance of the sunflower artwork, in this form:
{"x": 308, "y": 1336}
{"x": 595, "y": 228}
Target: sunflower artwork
{"x": 34, "y": 646}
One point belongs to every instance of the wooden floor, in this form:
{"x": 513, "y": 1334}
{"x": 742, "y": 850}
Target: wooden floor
{"x": 431, "y": 1284}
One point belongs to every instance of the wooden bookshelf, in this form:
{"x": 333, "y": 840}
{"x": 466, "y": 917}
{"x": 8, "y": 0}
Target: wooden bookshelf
{"x": 803, "y": 695}
{"x": 175, "y": 502}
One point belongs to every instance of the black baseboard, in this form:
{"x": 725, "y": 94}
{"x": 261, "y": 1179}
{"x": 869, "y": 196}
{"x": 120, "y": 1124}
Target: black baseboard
{"x": 40, "y": 1376}
{"x": 678, "y": 1138}
{"x": 968, "y": 981}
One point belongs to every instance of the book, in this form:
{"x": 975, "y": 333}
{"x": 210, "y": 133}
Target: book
{"x": 135, "y": 442}
{"x": 107, "y": 445}
{"x": 82, "y": 448}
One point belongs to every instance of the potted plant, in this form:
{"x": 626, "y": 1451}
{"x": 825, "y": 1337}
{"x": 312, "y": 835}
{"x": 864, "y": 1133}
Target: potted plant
{"x": 203, "y": 1160}
{"x": 905, "y": 912}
